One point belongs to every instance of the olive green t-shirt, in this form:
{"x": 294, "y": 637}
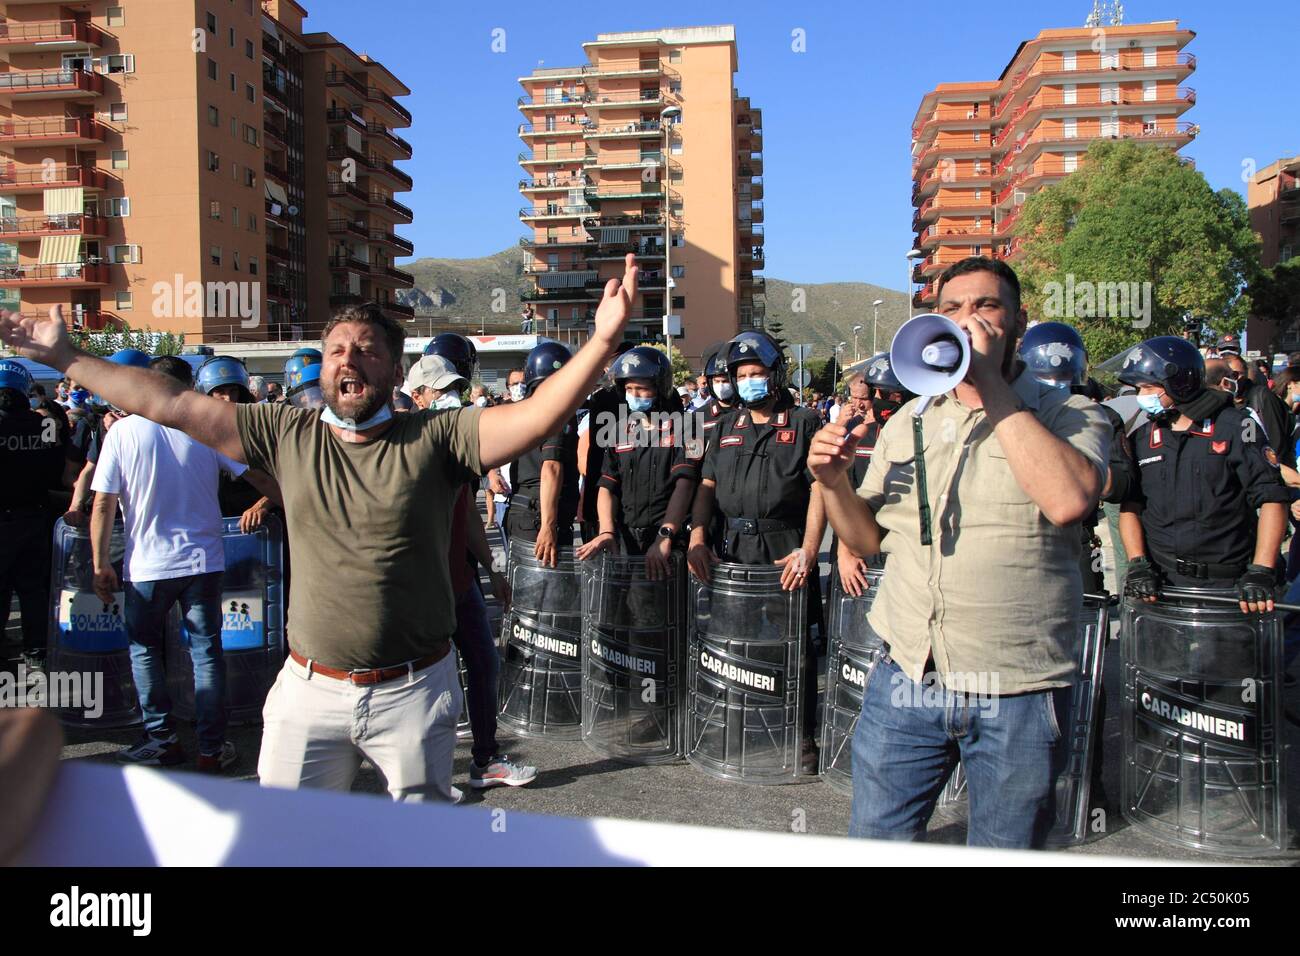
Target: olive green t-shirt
{"x": 370, "y": 528}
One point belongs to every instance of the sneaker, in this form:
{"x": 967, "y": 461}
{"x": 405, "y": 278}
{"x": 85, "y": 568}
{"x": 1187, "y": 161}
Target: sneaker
{"x": 809, "y": 757}
{"x": 224, "y": 759}
{"x": 457, "y": 797}
{"x": 151, "y": 751}
{"x": 34, "y": 660}
{"x": 500, "y": 770}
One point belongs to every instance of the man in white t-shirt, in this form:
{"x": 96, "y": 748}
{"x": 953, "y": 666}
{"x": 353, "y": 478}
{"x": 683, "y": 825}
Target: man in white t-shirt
{"x": 167, "y": 485}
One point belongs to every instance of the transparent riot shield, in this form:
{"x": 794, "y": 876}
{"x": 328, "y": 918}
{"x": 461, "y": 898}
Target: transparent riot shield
{"x": 743, "y": 719}
{"x": 1202, "y": 723}
{"x": 851, "y": 652}
{"x": 252, "y": 624}
{"x": 88, "y": 642}
{"x": 541, "y": 674}
{"x": 631, "y": 656}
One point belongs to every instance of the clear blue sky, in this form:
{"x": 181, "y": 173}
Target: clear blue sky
{"x": 836, "y": 119}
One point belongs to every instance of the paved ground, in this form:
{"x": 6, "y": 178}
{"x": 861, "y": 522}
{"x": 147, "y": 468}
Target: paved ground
{"x": 574, "y": 781}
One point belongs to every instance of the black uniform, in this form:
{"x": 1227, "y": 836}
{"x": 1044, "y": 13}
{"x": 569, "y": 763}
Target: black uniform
{"x": 524, "y": 517}
{"x": 642, "y": 471}
{"x": 599, "y": 405}
{"x": 708, "y": 416}
{"x": 1198, "y": 491}
{"x": 1276, "y": 418}
{"x": 31, "y": 465}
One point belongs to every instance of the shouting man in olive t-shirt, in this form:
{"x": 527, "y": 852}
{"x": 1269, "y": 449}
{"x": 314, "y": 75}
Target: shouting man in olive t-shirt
{"x": 368, "y": 498}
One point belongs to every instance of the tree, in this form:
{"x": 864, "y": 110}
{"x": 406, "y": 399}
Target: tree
{"x": 1134, "y": 241}
{"x": 1275, "y": 294}
{"x": 106, "y": 343}
{"x": 681, "y": 368}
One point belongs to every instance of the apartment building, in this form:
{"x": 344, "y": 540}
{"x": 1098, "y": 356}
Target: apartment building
{"x": 647, "y": 148}
{"x": 195, "y": 166}
{"x": 1273, "y": 202}
{"x": 980, "y": 149}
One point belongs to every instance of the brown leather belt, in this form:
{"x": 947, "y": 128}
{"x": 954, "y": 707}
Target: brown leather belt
{"x": 376, "y": 676}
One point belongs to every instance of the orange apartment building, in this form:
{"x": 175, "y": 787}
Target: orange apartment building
{"x": 646, "y": 148}
{"x": 196, "y": 166}
{"x": 979, "y": 150}
{"x": 1273, "y": 201}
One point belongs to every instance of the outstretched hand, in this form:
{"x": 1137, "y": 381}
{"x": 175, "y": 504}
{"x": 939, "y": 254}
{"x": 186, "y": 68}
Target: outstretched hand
{"x": 41, "y": 340}
{"x": 616, "y": 304}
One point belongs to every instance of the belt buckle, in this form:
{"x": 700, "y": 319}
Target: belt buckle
{"x": 359, "y": 678}
{"x": 1192, "y": 569}
{"x": 750, "y": 526}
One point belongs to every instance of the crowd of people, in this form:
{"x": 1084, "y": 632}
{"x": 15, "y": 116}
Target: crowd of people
{"x": 984, "y": 500}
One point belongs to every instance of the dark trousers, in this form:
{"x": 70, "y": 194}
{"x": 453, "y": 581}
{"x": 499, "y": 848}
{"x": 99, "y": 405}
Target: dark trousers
{"x": 473, "y": 640}
{"x": 25, "y": 570}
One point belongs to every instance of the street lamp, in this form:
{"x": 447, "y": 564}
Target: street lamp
{"x": 875, "y": 322}
{"x": 666, "y": 114}
{"x": 836, "y": 365}
{"x": 914, "y": 254}
{"x": 856, "y": 330}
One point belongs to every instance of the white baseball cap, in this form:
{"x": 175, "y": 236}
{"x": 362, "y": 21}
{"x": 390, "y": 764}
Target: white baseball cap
{"x": 432, "y": 371}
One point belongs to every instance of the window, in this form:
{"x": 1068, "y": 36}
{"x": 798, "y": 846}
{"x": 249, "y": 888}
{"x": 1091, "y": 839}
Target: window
{"x": 1071, "y": 127}
{"x": 675, "y": 87}
{"x": 215, "y": 255}
{"x": 121, "y": 254}
{"x": 234, "y": 172}
{"x": 975, "y": 136}
{"x": 1070, "y": 162}
{"x": 250, "y": 178}
{"x": 120, "y": 63}
{"x": 1110, "y": 92}
{"x": 234, "y": 128}
{"x": 250, "y": 135}
{"x": 252, "y": 265}
{"x": 675, "y": 210}
{"x": 234, "y": 259}
{"x": 212, "y": 69}
{"x": 212, "y": 23}
{"x": 679, "y": 239}
{"x": 674, "y": 56}
{"x": 679, "y": 302}
{"x": 120, "y": 160}
{"x": 250, "y": 92}
{"x": 214, "y": 162}
{"x": 118, "y": 208}
{"x": 233, "y": 84}
{"x": 122, "y": 301}
{"x": 214, "y": 209}
{"x": 214, "y": 116}
{"x": 248, "y": 49}
{"x": 252, "y": 224}
{"x": 1148, "y": 90}
{"x": 675, "y": 148}
{"x": 117, "y": 112}
{"x": 232, "y": 37}
{"x": 234, "y": 216}
{"x": 115, "y": 17}
{"x": 678, "y": 272}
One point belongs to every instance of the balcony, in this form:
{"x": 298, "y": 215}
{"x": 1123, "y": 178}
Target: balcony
{"x": 955, "y": 235}
{"x": 274, "y": 131}
{"x": 378, "y": 98}
{"x": 639, "y": 189}
{"x": 393, "y": 241}
{"x": 335, "y": 115}
{"x": 755, "y": 285}
{"x": 35, "y": 179}
{"x": 398, "y": 310}
{"x": 338, "y": 299}
{"x": 546, "y": 129}
{"x": 618, "y": 130}
{"x": 348, "y": 263}
{"x": 390, "y": 275}
{"x": 542, "y": 268}
{"x": 385, "y": 137}
{"x": 53, "y": 131}
{"x": 553, "y": 156}
{"x": 964, "y": 116}
{"x": 348, "y": 227}
{"x": 349, "y": 195}
{"x": 545, "y": 185}
{"x": 951, "y": 148}
{"x": 278, "y": 173}
{"x": 629, "y": 98}
{"x": 271, "y": 48}
{"x": 602, "y": 224}
{"x": 381, "y": 167}
{"x": 1125, "y": 61}
{"x": 554, "y": 212}
{"x": 578, "y": 294}
{"x": 1091, "y": 100}
{"x": 615, "y": 253}
{"x": 340, "y": 80}
{"x": 391, "y": 206}
{"x": 554, "y": 242}
{"x": 1166, "y": 132}
{"x": 49, "y": 85}
{"x": 60, "y": 224}
{"x": 70, "y": 274}
{"x": 48, "y": 36}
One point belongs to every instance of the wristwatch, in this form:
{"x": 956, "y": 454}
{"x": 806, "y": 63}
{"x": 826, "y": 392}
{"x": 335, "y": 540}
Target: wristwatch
{"x": 666, "y": 531}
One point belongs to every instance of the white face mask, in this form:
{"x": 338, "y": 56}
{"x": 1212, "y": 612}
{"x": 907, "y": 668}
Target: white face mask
{"x": 517, "y": 391}
{"x": 481, "y": 401}
{"x": 447, "y": 400}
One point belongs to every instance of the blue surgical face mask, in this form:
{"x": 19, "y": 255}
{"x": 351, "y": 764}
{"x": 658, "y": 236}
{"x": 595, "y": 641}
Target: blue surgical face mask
{"x": 752, "y": 390}
{"x": 1151, "y": 405}
{"x": 36, "y": 403}
{"x": 639, "y": 404}
{"x": 724, "y": 392}
{"x": 378, "y": 418}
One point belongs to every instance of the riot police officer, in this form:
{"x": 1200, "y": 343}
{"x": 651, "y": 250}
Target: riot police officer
{"x": 648, "y": 482}
{"x": 31, "y": 465}
{"x": 545, "y": 499}
{"x": 755, "y": 474}
{"x": 1203, "y": 468}
{"x": 459, "y": 351}
{"x": 722, "y": 391}
{"x": 226, "y": 378}
{"x": 296, "y": 373}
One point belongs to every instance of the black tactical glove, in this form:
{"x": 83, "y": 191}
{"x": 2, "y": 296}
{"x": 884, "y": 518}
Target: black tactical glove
{"x": 1142, "y": 580}
{"x": 1256, "y": 585}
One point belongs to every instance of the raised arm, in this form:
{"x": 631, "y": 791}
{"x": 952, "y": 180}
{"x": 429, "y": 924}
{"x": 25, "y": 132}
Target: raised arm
{"x": 507, "y": 431}
{"x": 143, "y": 392}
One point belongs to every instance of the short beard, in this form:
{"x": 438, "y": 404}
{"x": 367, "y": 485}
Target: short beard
{"x": 367, "y": 413}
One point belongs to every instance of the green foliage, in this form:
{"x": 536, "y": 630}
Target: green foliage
{"x": 682, "y": 371}
{"x": 1136, "y": 214}
{"x": 106, "y": 343}
{"x": 1275, "y": 293}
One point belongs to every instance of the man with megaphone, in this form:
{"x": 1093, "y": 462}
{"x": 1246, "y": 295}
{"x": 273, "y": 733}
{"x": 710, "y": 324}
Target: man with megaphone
{"x": 974, "y": 491}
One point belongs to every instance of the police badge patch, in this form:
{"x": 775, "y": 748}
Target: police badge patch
{"x": 1271, "y": 457}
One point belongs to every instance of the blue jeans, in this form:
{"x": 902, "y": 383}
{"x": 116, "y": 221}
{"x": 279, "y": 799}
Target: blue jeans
{"x": 473, "y": 639}
{"x": 147, "y": 606}
{"x": 909, "y": 736}
{"x": 1291, "y": 636}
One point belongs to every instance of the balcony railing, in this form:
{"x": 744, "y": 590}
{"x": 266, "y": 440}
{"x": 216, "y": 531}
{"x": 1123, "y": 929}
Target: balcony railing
{"x": 556, "y": 211}
{"x": 392, "y": 239}
{"x": 34, "y": 81}
{"x": 388, "y": 202}
{"x": 392, "y": 272}
{"x": 1116, "y": 60}
{"x": 339, "y": 189}
{"x": 379, "y": 165}
{"x": 350, "y": 263}
{"x": 379, "y": 129}
{"x": 271, "y": 48}
{"x": 644, "y": 219}
{"x": 82, "y": 273}
{"x": 277, "y": 252}
{"x": 573, "y": 182}
{"x": 542, "y": 268}
{"x": 341, "y": 78}
{"x": 633, "y": 190}
{"x": 63, "y": 127}
{"x": 49, "y": 33}
{"x": 54, "y": 224}
{"x": 376, "y": 95}
{"x": 52, "y": 176}
{"x": 615, "y": 129}
{"x": 336, "y": 114}
{"x": 406, "y": 311}
{"x": 350, "y": 227}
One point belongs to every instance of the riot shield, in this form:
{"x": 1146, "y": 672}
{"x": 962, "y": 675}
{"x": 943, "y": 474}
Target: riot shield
{"x": 743, "y": 673}
{"x": 252, "y": 624}
{"x": 88, "y": 638}
{"x": 1202, "y": 723}
{"x": 851, "y": 652}
{"x": 631, "y": 647}
{"x": 541, "y": 674}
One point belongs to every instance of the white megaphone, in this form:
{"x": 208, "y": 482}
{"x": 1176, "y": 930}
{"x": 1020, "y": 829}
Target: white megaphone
{"x": 930, "y": 355}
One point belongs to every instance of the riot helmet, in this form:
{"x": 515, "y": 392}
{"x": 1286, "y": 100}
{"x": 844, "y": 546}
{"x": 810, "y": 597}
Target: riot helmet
{"x": 298, "y": 361}
{"x": 544, "y": 360}
{"x": 1168, "y": 361}
{"x": 222, "y": 370}
{"x": 307, "y": 392}
{"x": 647, "y": 362}
{"x": 458, "y": 350}
{"x": 1055, "y": 355}
{"x": 755, "y": 346}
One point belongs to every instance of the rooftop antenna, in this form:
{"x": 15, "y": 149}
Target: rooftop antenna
{"x": 1094, "y": 18}
{"x": 1117, "y": 14}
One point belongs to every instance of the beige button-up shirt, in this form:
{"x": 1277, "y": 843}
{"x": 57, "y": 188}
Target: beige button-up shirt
{"x": 995, "y": 599}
